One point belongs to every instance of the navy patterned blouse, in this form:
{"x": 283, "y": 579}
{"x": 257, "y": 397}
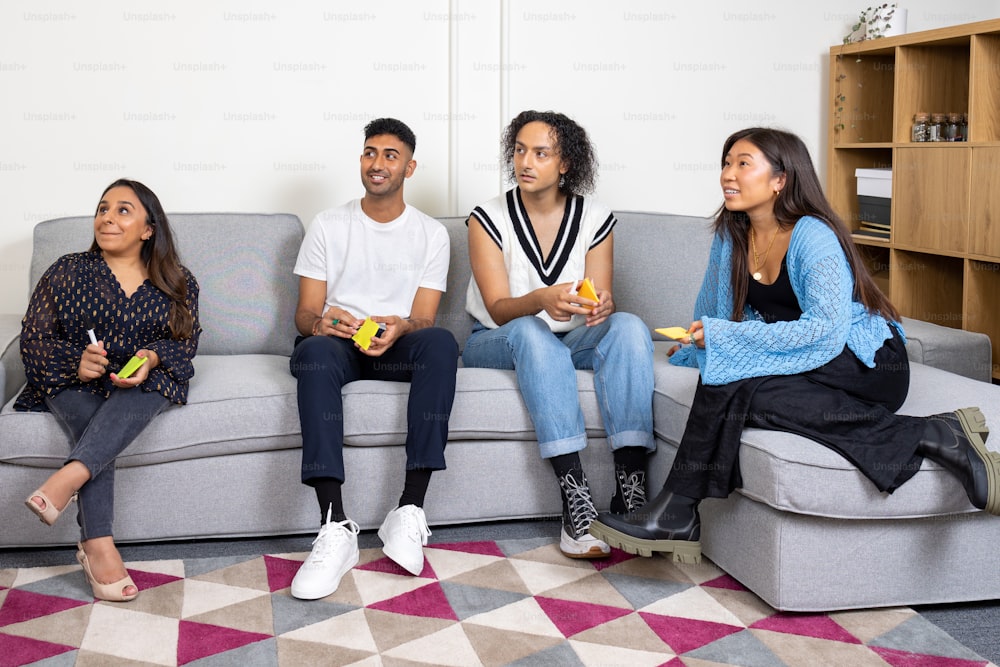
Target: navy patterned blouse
{"x": 79, "y": 292}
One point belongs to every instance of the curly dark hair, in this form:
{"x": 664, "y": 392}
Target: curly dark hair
{"x": 396, "y": 128}
{"x": 571, "y": 141}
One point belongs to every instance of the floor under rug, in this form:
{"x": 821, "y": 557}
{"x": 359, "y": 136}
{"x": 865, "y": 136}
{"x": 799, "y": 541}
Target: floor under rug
{"x": 516, "y": 601}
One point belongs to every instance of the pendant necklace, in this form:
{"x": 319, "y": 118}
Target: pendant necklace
{"x": 757, "y": 260}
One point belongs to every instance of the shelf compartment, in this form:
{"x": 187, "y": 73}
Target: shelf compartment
{"x": 862, "y": 98}
{"x": 932, "y": 208}
{"x": 930, "y": 78}
{"x": 984, "y": 222}
{"x": 982, "y": 296}
{"x": 876, "y": 259}
{"x": 927, "y": 287}
{"x": 984, "y": 96}
{"x": 842, "y": 185}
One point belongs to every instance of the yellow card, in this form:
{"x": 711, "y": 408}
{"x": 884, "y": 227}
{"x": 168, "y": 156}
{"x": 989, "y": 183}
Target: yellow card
{"x": 587, "y": 291}
{"x": 132, "y": 366}
{"x": 673, "y": 332}
{"x": 367, "y": 329}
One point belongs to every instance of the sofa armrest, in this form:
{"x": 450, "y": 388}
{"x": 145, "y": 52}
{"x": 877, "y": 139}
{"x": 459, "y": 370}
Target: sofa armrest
{"x": 962, "y": 352}
{"x": 11, "y": 368}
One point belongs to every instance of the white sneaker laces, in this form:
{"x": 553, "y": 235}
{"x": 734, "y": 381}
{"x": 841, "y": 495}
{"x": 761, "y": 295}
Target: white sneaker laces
{"x": 329, "y": 537}
{"x": 581, "y": 507}
{"x": 414, "y": 522}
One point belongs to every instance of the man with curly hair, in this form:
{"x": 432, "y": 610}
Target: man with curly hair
{"x": 530, "y": 249}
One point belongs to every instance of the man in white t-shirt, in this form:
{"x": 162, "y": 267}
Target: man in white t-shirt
{"x": 378, "y": 258}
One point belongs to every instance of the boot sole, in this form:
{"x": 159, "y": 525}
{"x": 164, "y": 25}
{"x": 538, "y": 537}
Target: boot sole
{"x": 973, "y": 423}
{"x": 684, "y": 551}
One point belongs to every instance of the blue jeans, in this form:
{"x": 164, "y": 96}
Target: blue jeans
{"x": 426, "y": 358}
{"x": 99, "y": 430}
{"x": 619, "y": 351}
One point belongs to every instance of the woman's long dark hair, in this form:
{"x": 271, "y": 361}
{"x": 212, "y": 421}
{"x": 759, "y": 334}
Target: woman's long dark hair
{"x": 160, "y": 257}
{"x": 802, "y": 195}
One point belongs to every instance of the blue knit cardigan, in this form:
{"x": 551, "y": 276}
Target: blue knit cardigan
{"x": 831, "y": 318}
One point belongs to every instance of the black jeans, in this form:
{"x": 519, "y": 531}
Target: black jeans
{"x": 427, "y": 359}
{"x": 843, "y": 405}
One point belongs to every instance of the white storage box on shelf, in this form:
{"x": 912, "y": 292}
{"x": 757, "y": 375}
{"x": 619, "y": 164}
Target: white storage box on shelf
{"x": 875, "y": 195}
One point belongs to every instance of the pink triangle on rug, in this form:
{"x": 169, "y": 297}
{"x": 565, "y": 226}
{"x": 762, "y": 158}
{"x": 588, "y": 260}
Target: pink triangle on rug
{"x": 819, "y": 626}
{"x": 727, "y": 582}
{"x": 483, "y": 548}
{"x": 146, "y": 580}
{"x": 686, "y": 634}
{"x": 23, "y": 605}
{"x": 23, "y": 650}
{"x": 898, "y": 658}
{"x": 617, "y": 556}
{"x": 389, "y": 566}
{"x": 200, "y": 640}
{"x": 428, "y": 601}
{"x": 573, "y": 617}
{"x": 280, "y": 572}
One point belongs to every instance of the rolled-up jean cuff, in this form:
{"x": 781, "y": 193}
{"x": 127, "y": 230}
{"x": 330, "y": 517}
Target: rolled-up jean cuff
{"x": 564, "y": 446}
{"x": 632, "y": 439}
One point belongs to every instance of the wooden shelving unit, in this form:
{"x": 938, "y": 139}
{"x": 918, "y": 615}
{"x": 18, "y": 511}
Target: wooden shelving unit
{"x": 942, "y": 260}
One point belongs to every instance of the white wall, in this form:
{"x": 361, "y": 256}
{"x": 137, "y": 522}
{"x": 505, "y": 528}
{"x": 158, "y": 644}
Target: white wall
{"x": 259, "y": 106}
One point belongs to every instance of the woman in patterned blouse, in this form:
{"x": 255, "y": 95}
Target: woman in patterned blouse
{"x": 89, "y": 314}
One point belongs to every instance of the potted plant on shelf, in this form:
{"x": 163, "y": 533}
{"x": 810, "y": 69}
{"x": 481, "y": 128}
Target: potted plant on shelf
{"x": 873, "y": 23}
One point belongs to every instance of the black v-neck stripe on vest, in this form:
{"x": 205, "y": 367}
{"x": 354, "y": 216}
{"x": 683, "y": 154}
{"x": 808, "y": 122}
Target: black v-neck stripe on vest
{"x": 548, "y": 268}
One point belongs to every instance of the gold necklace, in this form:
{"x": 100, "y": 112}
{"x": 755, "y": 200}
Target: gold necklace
{"x": 757, "y": 262}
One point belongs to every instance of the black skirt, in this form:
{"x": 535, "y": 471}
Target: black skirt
{"x": 843, "y": 405}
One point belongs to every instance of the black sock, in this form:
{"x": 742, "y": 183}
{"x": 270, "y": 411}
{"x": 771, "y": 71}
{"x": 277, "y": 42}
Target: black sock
{"x": 563, "y": 465}
{"x": 632, "y": 459}
{"x": 566, "y": 463}
{"x": 329, "y": 495}
{"x": 628, "y": 462}
{"x": 415, "y": 487}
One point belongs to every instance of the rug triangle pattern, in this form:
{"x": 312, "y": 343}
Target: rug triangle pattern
{"x": 502, "y": 602}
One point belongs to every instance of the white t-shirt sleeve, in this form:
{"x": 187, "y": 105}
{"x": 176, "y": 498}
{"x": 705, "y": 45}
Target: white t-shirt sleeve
{"x": 312, "y": 260}
{"x": 438, "y": 255}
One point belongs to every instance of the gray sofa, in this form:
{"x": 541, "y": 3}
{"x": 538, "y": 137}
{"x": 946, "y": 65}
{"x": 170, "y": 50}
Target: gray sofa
{"x": 808, "y": 532}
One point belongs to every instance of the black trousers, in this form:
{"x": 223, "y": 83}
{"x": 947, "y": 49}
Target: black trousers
{"x": 427, "y": 359}
{"x": 843, "y": 405}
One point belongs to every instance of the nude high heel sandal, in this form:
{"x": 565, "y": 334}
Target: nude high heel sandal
{"x": 51, "y": 513}
{"x": 110, "y": 592}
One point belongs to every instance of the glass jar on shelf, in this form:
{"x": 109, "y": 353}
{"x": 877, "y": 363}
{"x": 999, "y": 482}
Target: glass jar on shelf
{"x": 936, "y": 129}
{"x": 964, "y": 126}
{"x": 952, "y": 130}
{"x": 920, "y": 126}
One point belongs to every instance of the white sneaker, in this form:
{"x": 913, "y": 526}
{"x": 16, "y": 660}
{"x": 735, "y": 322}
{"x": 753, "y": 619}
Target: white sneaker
{"x": 575, "y": 540}
{"x": 584, "y": 546}
{"x": 404, "y": 534}
{"x": 334, "y": 552}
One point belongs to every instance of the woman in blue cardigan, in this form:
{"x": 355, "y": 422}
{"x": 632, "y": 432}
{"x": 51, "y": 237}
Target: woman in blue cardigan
{"x": 793, "y": 335}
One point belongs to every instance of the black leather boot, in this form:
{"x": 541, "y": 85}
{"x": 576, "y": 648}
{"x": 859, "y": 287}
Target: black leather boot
{"x": 669, "y": 523}
{"x": 957, "y": 442}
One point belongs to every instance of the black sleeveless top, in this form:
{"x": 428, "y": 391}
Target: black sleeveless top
{"x": 775, "y": 302}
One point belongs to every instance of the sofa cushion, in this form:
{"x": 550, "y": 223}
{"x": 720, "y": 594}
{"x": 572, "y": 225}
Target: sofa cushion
{"x": 247, "y": 403}
{"x": 488, "y": 406}
{"x": 793, "y": 474}
{"x": 236, "y": 403}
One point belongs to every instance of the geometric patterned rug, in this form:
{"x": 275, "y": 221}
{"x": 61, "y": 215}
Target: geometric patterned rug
{"x": 506, "y": 602}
